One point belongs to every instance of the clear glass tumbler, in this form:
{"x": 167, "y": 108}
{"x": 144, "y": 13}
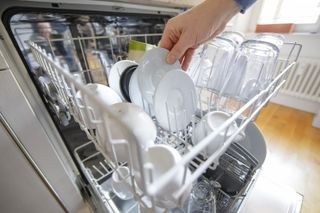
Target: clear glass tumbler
{"x": 234, "y": 36}
{"x": 261, "y": 61}
{"x": 215, "y": 59}
{"x": 202, "y": 198}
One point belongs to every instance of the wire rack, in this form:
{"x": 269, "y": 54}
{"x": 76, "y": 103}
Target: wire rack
{"x": 68, "y": 84}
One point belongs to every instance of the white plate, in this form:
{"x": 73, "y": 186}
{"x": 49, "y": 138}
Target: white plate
{"x": 115, "y": 73}
{"x": 135, "y": 94}
{"x": 176, "y": 91}
{"x": 152, "y": 68}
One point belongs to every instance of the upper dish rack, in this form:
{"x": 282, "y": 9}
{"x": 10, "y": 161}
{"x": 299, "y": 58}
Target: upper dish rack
{"x": 67, "y": 84}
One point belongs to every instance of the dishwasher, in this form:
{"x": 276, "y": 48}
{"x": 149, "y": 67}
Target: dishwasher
{"x": 52, "y": 50}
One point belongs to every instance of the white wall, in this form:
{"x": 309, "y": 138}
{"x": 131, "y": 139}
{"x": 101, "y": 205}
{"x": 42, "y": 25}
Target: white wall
{"x": 310, "y": 49}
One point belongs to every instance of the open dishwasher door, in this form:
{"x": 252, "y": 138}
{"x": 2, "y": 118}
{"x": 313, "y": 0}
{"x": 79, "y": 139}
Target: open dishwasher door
{"x": 267, "y": 196}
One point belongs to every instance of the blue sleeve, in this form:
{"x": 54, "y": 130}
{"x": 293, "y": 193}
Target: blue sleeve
{"x": 245, "y": 4}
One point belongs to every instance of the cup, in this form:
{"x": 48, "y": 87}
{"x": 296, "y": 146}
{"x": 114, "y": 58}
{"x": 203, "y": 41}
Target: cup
{"x": 120, "y": 178}
{"x": 160, "y": 159}
{"x": 210, "y": 123}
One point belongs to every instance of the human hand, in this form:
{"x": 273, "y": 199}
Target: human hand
{"x": 185, "y": 32}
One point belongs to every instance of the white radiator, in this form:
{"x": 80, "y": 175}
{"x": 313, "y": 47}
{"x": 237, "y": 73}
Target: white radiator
{"x": 302, "y": 89}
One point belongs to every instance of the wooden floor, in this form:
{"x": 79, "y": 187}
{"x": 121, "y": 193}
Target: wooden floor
{"x": 293, "y": 152}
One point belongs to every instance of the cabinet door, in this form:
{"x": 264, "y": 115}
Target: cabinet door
{"x": 22, "y": 189}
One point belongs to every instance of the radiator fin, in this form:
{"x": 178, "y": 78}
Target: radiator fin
{"x": 303, "y": 80}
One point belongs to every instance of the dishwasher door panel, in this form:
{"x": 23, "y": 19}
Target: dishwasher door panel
{"x": 21, "y": 188}
{"x": 21, "y": 120}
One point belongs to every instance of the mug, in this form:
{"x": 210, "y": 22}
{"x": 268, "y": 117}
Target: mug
{"x": 160, "y": 159}
{"x": 210, "y": 123}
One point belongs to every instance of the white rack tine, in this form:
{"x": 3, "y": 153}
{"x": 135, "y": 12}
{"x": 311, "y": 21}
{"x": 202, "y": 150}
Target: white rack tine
{"x": 185, "y": 130}
{"x": 149, "y": 107}
{"x": 103, "y": 166}
{"x": 98, "y": 170}
{"x": 200, "y": 105}
{"x": 168, "y": 117}
{"x": 175, "y": 119}
{"x": 66, "y": 67}
{"x": 50, "y": 56}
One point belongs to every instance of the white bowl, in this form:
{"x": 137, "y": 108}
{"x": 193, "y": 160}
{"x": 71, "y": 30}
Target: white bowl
{"x": 131, "y": 124}
{"x": 136, "y": 96}
{"x": 115, "y": 72}
{"x": 161, "y": 158}
{"x": 152, "y": 68}
{"x": 104, "y": 93}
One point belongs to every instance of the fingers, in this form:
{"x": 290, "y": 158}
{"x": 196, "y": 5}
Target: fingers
{"x": 166, "y": 41}
{"x": 187, "y": 58}
{"x": 178, "y": 49}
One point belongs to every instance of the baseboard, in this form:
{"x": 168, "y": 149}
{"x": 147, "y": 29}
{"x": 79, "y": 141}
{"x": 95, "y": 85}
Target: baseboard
{"x": 297, "y": 103}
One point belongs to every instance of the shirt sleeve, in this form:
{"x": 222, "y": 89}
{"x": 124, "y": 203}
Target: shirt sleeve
{"x": 244, "y": 4}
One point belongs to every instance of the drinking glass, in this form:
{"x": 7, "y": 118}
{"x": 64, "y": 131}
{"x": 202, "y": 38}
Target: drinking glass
{"x": 234, "y": 36}
{"x": 119, "y": 178}
{"x": 202, "y": 198}
{"x": 215, "y": 59}
{"x": 261, "y": 60}
{"x": 274, "y": 38}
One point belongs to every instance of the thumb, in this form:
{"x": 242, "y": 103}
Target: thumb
{"x": 178, "y": 50}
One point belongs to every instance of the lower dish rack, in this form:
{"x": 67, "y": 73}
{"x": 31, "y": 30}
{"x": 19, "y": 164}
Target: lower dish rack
{"x": 237, "y": 169}
{"x": 231, "y": 164}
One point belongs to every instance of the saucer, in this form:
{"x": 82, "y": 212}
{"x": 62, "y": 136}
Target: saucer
{"x": 152, "y": 68}
{"x": 115, "y": 74}
{"x": 175, "y": 92}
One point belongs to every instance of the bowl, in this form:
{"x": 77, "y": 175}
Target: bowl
{"x": 115, "y": 74}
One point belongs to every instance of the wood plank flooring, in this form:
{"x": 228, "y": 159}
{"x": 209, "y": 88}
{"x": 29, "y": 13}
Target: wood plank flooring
{"x": 293, "y": 152}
